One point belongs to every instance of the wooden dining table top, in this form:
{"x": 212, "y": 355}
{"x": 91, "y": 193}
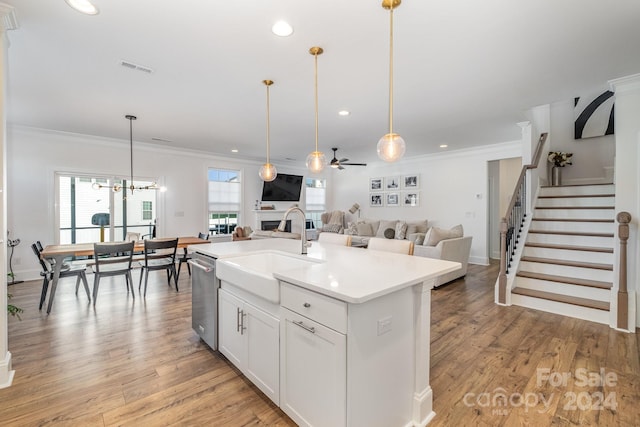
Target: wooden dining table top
{"x": 85, "y": 249}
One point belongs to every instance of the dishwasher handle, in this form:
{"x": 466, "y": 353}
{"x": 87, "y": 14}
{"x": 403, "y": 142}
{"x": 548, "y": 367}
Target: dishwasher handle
{"x": 208, "y": 268}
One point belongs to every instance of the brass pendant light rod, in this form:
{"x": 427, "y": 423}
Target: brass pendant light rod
{"x": 268, "y": 83}
{"x": 390, "y": 5}
{"x": 315, "y": 51}
{"x": 131, "y": 119}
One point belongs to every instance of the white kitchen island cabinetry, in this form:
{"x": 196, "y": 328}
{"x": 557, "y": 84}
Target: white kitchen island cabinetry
{"x": 248, "y": 337}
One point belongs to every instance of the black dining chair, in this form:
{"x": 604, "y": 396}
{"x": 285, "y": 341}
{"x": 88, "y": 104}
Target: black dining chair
{"x": 112, "y": 259}
{"x": 75, "y": 269}
{"x": 159, "y": 254}
{"x": 186, "y": 257}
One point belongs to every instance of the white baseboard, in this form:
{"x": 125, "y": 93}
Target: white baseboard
{"x": 6, "y": 373}
{"x": 479, "y": 260}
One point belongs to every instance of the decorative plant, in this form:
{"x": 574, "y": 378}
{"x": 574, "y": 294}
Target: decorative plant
{"x": 560, "y": 159}
{"x": 13, "y": 310}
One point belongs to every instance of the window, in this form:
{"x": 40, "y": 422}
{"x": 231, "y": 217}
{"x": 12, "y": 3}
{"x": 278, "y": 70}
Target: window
{"x": 315, "y": 201}
{"x": 147, "y": 210}
{"x": 225, "y": 199}
{"x": 79, "y": 202}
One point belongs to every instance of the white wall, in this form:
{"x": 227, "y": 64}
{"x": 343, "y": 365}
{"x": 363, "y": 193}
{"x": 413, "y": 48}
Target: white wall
{"x": 35, "y": 155}
{"x": 453, "y": 190}
{"x": 592, "y": 157}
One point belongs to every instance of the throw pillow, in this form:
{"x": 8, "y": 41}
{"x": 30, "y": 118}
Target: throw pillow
{"x": 416, "y": 238}
{"x": 384, "y": 225}
{"x": 351, "y": 229}
{"x": 401, "y": 230}
{"x": 389, "y": 233}
{"x": 239, "y": 232}
{"x": 364, "y": 229}
{"x": 417, "y": 227}
{"x": 437, "y": 234}
{"x": 331, "y": 228}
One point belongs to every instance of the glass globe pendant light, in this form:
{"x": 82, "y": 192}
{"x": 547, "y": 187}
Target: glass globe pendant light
{"x": 391, "y": 146}
{"x": 316, "y": 160}
{"x": 268, "y": 171}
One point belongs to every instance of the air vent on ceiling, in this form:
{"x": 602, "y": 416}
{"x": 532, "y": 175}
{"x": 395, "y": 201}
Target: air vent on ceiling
{"x": 138, "y": 67}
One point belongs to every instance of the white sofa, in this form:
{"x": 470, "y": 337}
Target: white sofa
{"x": 456, "y": 249}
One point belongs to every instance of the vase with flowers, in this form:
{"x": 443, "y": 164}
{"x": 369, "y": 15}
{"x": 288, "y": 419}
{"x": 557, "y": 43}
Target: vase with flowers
{"x": 559, "y": 160}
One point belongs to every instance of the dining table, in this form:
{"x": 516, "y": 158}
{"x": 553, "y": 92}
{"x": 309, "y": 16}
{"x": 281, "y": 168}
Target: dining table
{"x": 57, "y": 254}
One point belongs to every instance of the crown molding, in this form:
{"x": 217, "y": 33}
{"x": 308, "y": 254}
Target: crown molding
{"x": 625, "y": 84}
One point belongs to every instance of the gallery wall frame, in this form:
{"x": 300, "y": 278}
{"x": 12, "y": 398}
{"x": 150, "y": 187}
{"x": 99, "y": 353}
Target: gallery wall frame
{"x": 376, "y": 200}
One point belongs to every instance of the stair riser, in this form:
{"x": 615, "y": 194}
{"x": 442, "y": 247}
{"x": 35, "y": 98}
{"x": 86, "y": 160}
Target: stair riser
{"x": 585, "y": 227}
{"x": 575, "y": 213}
{"x": 576, "y": 201}
{"x": 582, "y": 189}
{"x": 564, "y": 289}
{"x": 599, "y": 316}
{"x": 565, "y": 271}
{"x": 569, "y": 255}
{"x": 562, "y": 239}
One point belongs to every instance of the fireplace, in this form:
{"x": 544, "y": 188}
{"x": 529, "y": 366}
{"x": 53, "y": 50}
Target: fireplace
{"x": 273, "y": 225}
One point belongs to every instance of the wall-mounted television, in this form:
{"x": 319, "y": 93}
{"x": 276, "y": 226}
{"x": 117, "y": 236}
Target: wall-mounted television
{"x": 285, "y": 188}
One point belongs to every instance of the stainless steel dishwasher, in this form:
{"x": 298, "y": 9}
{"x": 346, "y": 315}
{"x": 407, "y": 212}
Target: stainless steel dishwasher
{"x": 204, "y": 298}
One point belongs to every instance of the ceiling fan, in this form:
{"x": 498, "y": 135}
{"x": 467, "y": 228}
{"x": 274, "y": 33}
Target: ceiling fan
{"x": 337, "y": 164}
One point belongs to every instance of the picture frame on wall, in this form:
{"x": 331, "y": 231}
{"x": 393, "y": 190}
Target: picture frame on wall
{"x": 410, "y": 182}
{"x": 392, "y": 183}
{"x": 393, "y": 199}
{"x": 411, "y": 198}
{"x": 376, "y": 200}
{"x": 375, "y": 184}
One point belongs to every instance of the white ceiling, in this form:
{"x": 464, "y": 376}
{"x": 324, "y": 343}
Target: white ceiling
{"x": 465, "y": 70}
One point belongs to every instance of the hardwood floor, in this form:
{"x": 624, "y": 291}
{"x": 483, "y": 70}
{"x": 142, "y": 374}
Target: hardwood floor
{"x": 129, "y": 362}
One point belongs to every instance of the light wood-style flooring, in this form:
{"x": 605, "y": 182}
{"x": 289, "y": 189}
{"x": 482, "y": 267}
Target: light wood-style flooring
{"x": 137, "y": 362}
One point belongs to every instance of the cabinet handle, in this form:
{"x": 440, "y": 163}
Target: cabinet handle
{"x": 242, "y": 327}
{"x": 237, "y": 319}
{"x": 306, "y": 305}
{"x": 305, "y": 327}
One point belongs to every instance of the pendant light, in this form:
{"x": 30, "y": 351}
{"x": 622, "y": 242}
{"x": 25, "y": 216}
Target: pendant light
{"x": 391, "y": 147}
{"x": 117, "y": 187}
{"x": 268, "y": 171}
{"x": 316, "y": 161}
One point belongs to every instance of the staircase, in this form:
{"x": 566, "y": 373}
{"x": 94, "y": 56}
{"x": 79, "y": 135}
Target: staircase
{"x": 567, "y": 261}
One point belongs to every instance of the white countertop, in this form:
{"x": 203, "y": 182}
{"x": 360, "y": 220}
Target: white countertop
{"x": 353, "y": 275}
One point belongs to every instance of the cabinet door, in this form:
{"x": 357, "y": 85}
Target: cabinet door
{"x": 230, "y": 333}
{"x": 312, "y": 372}
{"x": 263, "y": 351}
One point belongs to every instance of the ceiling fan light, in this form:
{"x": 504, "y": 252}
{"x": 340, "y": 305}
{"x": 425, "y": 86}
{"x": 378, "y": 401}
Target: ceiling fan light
{"x": 268, "y": 172}
{"x": 316, "y": 162}
{"x": 391, "y": 147}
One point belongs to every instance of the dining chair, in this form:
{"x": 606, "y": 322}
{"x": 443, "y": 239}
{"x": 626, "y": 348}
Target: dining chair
{"x": 75, "y": 269}
{"x": 112, "y": 259}
{"x": 159, "y": 254}
{"x": 186, "y": 257}
{"x": 391, "y": 245}
{"x": 335, "y": 239}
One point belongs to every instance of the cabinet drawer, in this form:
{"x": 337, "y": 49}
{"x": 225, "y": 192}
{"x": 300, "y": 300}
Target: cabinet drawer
{"x": 320, "y": 308}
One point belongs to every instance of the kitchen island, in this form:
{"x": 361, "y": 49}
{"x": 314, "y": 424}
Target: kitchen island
{"x": 341, "y": 340}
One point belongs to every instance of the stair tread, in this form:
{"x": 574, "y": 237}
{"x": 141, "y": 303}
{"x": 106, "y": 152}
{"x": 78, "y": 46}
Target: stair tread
{"x": 573, "y": 219}
{"x": 563, "y": 279}
{"x": 576, "y": 207}
{"x": 572, "y": 196}
{"x": 572, "y": 233}
{"x": 584, "y": 302}
{"x": 568, "y": 263}
{"x": 570, "y": 247}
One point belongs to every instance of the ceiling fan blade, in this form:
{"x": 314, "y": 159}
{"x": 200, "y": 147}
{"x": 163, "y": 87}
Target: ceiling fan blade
{"x": 355, "y": 164}
{"x": 343, "y": 160}
{"x": 340, "y": 167}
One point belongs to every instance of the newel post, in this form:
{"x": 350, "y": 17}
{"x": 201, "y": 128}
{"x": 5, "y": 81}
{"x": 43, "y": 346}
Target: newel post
{"x": 502, "y": 277}
{"x": 623, "y": 219}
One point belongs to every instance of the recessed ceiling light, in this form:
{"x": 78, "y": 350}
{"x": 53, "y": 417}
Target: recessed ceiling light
{"x": 83, "y": 6}
{"x": 343, "y": 113}
{"x": 282, "y": 29}
{"x": 443, "y": 145}
{"x": 235, "y": 150}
